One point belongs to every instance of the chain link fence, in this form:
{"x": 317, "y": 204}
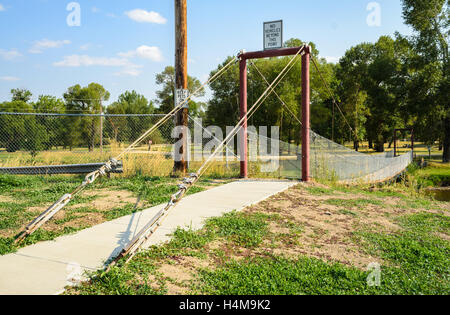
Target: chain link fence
{"x": 34, "y": 140}
{"x": 41, "y": 143}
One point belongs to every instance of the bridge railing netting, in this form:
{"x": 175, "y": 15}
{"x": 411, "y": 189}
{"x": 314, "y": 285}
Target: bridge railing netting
{"x": 332, "y": 160}
{"x": 35, "y": 140}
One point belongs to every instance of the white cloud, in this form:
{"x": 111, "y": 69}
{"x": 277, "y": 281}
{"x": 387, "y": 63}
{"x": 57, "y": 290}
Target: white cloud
{"x": 2, "y": 8}
{"x": 85, "y": 47}
{"x": 40, "y": 45}
{"x": 147, "y": 52}
{"x": 143, "y": 16}
{"x": 88, "y": 61}
{"x": 332, "y": 59}
{"x": 9, "y": 54}
{"x": 130, "y": 70}
{"x": 9, "y": 79}
{"x": 127, "y": 67}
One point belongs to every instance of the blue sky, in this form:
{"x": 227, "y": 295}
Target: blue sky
{"x": 124, "y": 44}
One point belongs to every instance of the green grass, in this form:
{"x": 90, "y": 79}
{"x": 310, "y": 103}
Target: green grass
{"x": 281, "y": 276}
{"x": 426, "y": 223}
{"x": 245, "y": 230}
{"x": 419, "y": 258}
{"x": 434, "y": 175}
{"x": 241, "y": 229}
{"x": 348, "y": 212}
{"x": 353, "y": 203}
{"x": 319, "y": 190}
{"x": 415, "y": 260}
{"x": 419, "y": 265}
{"x": 438, "y": 174}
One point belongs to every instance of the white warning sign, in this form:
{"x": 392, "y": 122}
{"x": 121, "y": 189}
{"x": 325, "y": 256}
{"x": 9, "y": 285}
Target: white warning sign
{"x": 273, "y": 35}
{"x": 180, "y": 96}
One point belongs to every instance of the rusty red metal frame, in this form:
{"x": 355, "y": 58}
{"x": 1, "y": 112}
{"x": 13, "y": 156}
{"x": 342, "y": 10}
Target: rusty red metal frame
{"x": 305, "y": 102}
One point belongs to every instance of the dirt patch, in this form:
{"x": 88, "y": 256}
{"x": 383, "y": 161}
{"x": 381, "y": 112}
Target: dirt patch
{"x": 77, "y": 216}
{"x": 180, "y": 273}
{"x": 327, "y": 230}
{"x": 306, "y": 226}
{"x": 6, "y": 199}
{"x": 177, "y": 272}
{"x": 107, "y": 199}
{"x": 7, "y": 233}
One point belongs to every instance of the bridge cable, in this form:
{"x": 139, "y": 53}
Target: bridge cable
{"x": 279, "y": 98}
{"x": 133, "y": 247}
{"x": 334, "y": 99}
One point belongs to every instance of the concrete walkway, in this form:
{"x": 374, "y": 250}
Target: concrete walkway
{"x": 47, "y": 267}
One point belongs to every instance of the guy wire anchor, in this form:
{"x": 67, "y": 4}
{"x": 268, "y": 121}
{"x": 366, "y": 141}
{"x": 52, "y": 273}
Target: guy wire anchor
{"x": 44, "y": 217}
{"x": 64, "y": 200}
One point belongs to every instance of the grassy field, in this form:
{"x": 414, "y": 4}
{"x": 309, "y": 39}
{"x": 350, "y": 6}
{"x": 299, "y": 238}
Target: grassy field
{"x": 311, "y": 239}
{"x": 22, "y": 198}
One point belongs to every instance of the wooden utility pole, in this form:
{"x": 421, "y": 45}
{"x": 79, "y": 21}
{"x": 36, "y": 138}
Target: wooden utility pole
{"x": 181, "y": 83}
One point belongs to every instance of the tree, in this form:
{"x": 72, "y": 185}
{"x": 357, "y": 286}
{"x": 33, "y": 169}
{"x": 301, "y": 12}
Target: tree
{"x": 22, "y": 95}
{"x": 49, "y": 104}
{"x": 372, "y": 83}
{"x": 84, "y": 100}
{"x": 430, "y": 86}
{"x": 352, "y": 72}
{"x": 385, "y": 88}
{"x": 21, "y": 132}
{"x": 165, "y": 96}
{"x": 129, "y": 128}
{"x": 53, "y": 126}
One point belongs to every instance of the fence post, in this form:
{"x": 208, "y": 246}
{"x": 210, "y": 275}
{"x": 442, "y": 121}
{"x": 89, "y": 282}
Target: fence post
{"x": 395, "y": 142}
{"x": 243, "y": 111}
{"x": 305, "y": 114}
{"x": 101, "y": 127}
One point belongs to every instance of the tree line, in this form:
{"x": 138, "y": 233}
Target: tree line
{"x": 396, "y": 82}
{"x": 35, "y": 133}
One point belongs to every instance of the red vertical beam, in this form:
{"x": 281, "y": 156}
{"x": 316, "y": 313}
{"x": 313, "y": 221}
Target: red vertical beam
{"x": 243, "y": 110}
{"x": 305, "y": 115}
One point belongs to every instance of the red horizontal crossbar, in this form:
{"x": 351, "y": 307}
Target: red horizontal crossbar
{"x": 272, "y": 53}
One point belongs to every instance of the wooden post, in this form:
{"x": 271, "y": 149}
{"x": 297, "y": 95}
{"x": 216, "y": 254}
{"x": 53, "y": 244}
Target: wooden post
{"x": 181, "y": 82}
{"x": 395, "y": 142}
{"x": 101, "y": 127}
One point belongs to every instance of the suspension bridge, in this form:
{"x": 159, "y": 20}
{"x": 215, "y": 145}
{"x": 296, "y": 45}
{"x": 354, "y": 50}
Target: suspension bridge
{"x": 317, "y": 157}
